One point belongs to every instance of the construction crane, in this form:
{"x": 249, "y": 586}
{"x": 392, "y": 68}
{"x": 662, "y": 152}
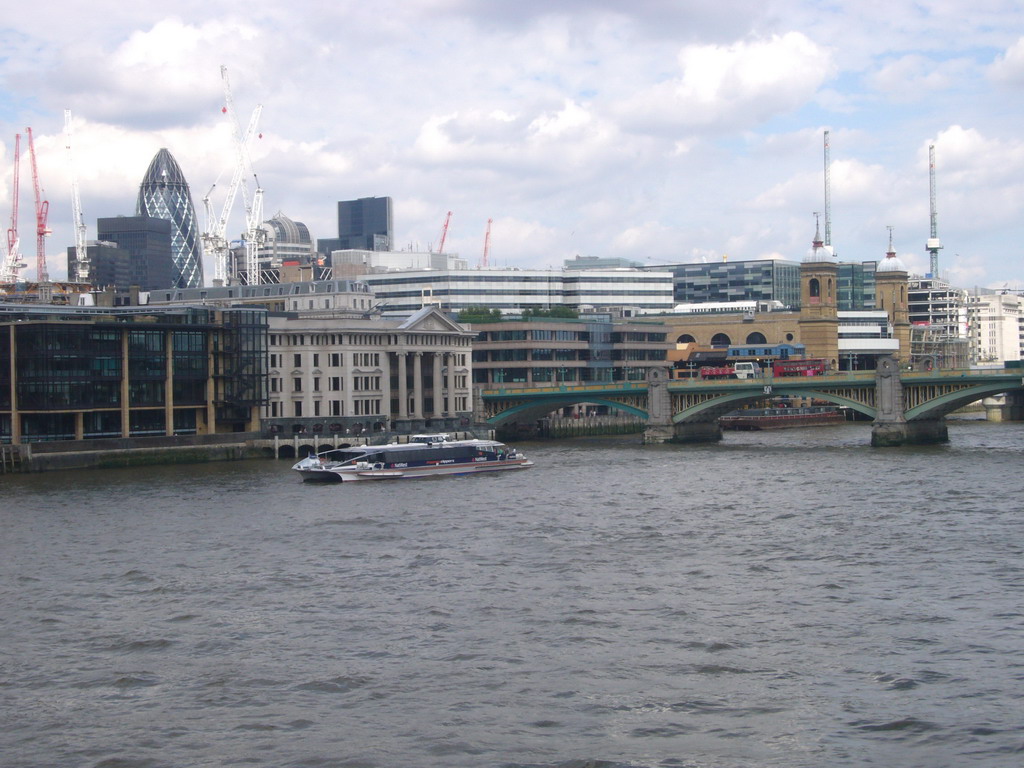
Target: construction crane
{"x": 81, "y": 251}
{"x": 444, "y": 232}
{"x": 215, "y": 237}
{"x": 487, "y": 244}
{"x": 933, "y": 245}
{"x": 828, "y": 194}
{"x": 42, "y": 213}
{"x": 12, "y": 260}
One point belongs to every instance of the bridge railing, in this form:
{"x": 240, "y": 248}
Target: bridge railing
{"x": 605, "y": 387}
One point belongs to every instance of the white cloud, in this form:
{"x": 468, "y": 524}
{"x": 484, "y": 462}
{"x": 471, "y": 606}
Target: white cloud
{"x": 916, "y": 78}
{"x": 1009, "y": 67}
{"x": 597, "y": 128}
{"x": 733, "y": 87}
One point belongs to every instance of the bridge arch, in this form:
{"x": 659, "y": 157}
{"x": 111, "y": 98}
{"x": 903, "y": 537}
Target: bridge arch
{"x": 538, "y": 409}
{"x": 721, "y": 340}
{"x": 945, "y": 404}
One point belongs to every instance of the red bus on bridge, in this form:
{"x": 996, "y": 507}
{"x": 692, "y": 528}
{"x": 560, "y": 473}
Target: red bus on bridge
{"x": 797, "y": 366}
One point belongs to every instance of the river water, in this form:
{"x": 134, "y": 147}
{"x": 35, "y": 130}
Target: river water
{"x": 784, "y": 599}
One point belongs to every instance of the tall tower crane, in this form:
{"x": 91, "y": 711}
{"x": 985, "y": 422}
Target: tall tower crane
{"x": 81, "y": 251}
{"x": 42, "y": 213}
{"x": 12, "y": 259}
{"x": 487, "y": 244}
{"x": 215, "y": 236}
{"x": 444, "y": 232}
{"x": 933, "y": 245}
{"x": 828, "y": 193}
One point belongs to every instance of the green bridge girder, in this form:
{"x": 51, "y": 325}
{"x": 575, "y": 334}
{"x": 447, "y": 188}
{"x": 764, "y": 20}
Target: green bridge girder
{"x": 926, "y": 396}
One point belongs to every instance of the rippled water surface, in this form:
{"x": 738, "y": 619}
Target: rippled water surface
{"x": 780, "y": 599}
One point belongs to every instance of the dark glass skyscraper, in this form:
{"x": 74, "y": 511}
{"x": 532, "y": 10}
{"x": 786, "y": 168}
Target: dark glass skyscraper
{"x": 143, "y": 257}
{"x": 164, "y": 194}
{"x": 363, "y": 224}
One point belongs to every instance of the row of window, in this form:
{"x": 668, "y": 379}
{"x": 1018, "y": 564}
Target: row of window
{"x": 360, "y": 340}
{"x": 337, "y": 359}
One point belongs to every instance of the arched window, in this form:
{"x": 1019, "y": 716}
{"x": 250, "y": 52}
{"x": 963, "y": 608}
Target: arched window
{"x": 720, "y": 340}
{"x": 814, "y": 287}
{"x": 756, "y": 338}
{"x": 686, "y": 339}
{"x": 830, "y": 287}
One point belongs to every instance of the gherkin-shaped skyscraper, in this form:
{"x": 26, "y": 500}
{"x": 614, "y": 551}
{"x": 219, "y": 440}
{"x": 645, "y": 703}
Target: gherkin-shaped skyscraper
{"x": 164, "y": 194}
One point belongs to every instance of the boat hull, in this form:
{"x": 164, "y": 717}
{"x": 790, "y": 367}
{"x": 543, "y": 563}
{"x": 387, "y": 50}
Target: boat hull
{"x": 354, "y": 474}
{"x": 782, "y": 418}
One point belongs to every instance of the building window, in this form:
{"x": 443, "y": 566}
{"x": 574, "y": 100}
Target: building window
{"x": 316, "y": 360}
{"x": 298, "y": 359}
{"x": 298, "y": 409}
{"x": 296, "y": 385}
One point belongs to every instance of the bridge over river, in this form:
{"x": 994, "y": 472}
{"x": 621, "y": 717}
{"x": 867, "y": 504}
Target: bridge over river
{"x": 905, "y": 407}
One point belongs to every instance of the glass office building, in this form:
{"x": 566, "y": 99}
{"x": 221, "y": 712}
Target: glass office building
{"x": 766, "y": 280}
{"x": 363, "y": 225}
{"x": 164, "y": 194}
{"x": 727, "y": 281}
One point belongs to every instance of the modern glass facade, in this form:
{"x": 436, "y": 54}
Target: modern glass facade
{"x": 767, "y": 280}
{"x": 164, "y": 194}
{"x": 855, "y": 286}
{"x": 363, "y": 224}
{"x": 728, "y": 281}
{"x": 512, "y": 291}
{"x": 544, "y": 351}
{"x": 143, "y": 255}
{"x": 90, "y": 373}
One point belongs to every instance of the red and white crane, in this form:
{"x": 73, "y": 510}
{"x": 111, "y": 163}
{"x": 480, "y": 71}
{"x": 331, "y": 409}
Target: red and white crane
{"x": 444, "y": 232}
{"x": 13, "y": 262}
{"x": 42, "y": 213}
{"x": 487, "y": 244}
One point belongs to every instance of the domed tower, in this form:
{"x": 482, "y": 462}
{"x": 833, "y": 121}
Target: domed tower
{"x": 891, "y": 295}
{"x": 819, "y": 313}
{"x": 164, "y": 194}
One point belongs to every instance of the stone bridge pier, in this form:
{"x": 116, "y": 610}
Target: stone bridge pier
{"x": 1008, "y": 407}
{"x": 659, "y": 407}
{"x": 890, "y": 426}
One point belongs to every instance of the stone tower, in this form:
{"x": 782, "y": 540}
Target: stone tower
{"x": 819, "y": 308}
{"x": 891, "y": 295}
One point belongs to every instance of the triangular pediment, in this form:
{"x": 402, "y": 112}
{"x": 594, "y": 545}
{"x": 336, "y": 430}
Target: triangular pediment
{"x": 431, "y": 319}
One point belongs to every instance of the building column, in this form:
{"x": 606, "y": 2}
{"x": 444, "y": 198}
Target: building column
{"x": 449, "y": 383}
{"x": 417, "y": 384}
{"x": 168, "y": 382}
{"x": 125, "y": 390}
{"x": 438, "y": 386}
{"x": 385, "y": 387}
{"x": 403, "y": 385}
{"x": 15, "y": 412}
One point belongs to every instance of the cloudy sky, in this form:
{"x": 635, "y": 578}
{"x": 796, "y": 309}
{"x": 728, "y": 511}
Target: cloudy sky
{"x": 663, "y": 131}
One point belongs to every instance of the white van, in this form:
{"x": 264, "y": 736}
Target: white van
{"x": 747, "y": 370}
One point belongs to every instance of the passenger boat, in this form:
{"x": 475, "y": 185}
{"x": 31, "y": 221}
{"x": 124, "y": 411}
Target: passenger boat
{"x": 422, "y": 456}
{"x": 782, "y": 418}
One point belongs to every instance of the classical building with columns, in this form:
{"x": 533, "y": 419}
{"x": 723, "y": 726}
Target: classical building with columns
{"x": 364, "y": 376}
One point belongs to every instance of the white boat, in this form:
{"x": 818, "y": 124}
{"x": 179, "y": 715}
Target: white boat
{"x": 422, "y": 456}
